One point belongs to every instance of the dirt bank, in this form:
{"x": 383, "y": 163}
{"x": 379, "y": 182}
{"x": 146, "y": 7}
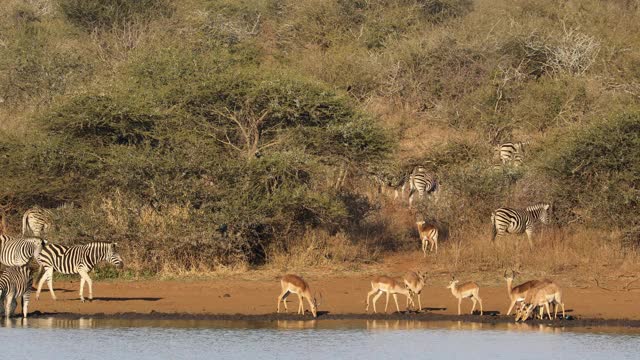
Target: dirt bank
{"x": 343, "y": 298}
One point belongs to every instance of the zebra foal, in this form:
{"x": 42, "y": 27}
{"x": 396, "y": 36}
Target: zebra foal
{"x": 513, "y": 221}
{"x": 15, "y": 283}
{"x": 77, "y": 259}
{"x": 18, "y": 251}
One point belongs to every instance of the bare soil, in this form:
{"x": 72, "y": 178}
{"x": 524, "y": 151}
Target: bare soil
{"x": 343, "y": 298}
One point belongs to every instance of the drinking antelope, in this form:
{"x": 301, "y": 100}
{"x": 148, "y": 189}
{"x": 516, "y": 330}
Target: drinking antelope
{"x": 415, "y": 282}
{"x": 385, "y": 284}
{"x": 467, "y": 290}
{"x": 518, "y": 293}
{"x": 541, "y": 296}
{"x": 428, "y": 236}
{"x": 295, "y": 284}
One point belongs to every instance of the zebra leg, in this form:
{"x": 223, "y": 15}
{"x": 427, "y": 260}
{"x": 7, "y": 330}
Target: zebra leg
{"x": 25, "y": 303}
{"x": 8, "y": 299}
{"x": 81, "y": 288}
{"x": 529, "y": 237}
{"x": 50, "y": 284}
{"x": 48, "y": 274}
{"x": 85, "y": 277}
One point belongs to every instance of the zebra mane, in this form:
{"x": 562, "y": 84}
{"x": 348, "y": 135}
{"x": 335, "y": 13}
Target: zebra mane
{"x": 537, "y": 207}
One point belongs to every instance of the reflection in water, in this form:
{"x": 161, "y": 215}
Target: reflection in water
{"x": 356, "y": 324}
{"x": 297, "y": 324}
{"x": 328, "y": 339}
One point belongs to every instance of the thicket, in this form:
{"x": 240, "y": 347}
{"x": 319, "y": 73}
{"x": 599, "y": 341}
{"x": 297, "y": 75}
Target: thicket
{"x": 209, "y": 134}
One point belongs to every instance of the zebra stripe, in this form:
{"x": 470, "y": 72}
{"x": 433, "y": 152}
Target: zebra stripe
{"x": 36, "y": 222}
{"x": 421, "y": 181}
{"x": 512, "y": 221}
{"x": 18, "y": 251}
{"x": 512, "y": 152}
{"x": 78, "y": 259}
{"x": 15, "y": 283}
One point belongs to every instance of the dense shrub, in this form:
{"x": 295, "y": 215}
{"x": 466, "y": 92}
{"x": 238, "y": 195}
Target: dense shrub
{"x": 247, "y": 149}
{"x": 600, "y": 163}
{"x": 107, "y": 14}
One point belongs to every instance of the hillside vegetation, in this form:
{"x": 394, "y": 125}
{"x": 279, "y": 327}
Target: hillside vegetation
{"x": 208, "y": 135}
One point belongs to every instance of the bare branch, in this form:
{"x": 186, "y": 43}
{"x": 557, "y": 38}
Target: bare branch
{"x": 598, "y": 285}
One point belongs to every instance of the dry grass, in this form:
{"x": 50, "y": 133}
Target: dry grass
{"x": 574, "y": 256}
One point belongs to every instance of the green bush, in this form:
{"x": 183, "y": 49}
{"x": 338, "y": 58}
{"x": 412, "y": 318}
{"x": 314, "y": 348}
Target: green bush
{"x": 247, "y": 149}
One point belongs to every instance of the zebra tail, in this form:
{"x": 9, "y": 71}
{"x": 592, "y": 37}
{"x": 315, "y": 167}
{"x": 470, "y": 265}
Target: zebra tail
{"x": 494, "y": 231}
{"x": 39, "y": 274}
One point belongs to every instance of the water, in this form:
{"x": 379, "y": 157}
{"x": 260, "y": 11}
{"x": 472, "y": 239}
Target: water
{"x": 329, "y": 339}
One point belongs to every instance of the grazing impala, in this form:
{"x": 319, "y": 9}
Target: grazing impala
{"x": 414, "y": 281}
{"x": 467, "y": 290}
{"x": 385, "y": 284}
{"x": 295, "y": 284}
{"x": 542, "y": 295}
{"x": 518, "y": 293}
{"x": 428, "y": 236}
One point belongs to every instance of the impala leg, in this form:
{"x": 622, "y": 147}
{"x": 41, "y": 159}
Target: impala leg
{"x": 375, "y": 299}
{"x": 368, "y": 296}
{"x": 283, "y": 298}
{"x": 386, "y": 305}
{"x": 395, "y": 298}
{"x": 481, "y": 310}
{"x": 424, "y": 247}
{"x": 419, "y": 303}
{"x": 413, "y": 304}
{"x": 459, "y": 302}
{"x": 301, "y": 304}
{"x": 546, "y": 305}
{"x": 474, "y": 304}
{"x": 511, "y": 307}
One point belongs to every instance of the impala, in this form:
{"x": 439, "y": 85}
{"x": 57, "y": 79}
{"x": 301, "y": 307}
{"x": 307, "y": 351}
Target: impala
{"x": 414, "y": 281}
{"x": 467, "y": 290}
{"x": 518, "y": 293}
{"x": 294, "y": 284}
{"x": 541, "y": 296}
{"x": 428, "y": 236}
{"x": 385, "y": 284}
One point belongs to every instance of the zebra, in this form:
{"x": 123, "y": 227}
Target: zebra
{"x": 512, "y": 152}
{"x": 77, "y": 259}
{"x": 507, "y": 220}
{"x": 36, "y": 222}
{"x": 18, "y": 251}
{"x": 421, "y": 181}
{"x": 390, "y": 182}
{"x": 15, "y": 283}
